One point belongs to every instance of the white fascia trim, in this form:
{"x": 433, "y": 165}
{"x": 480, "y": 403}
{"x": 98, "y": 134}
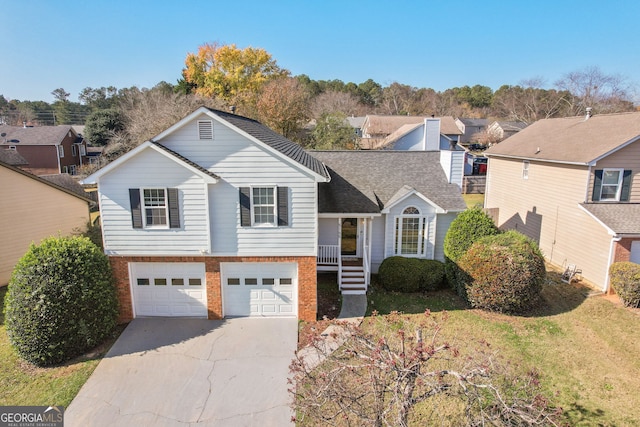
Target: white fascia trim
{"x": 349, "y": 215}
{"x": 439, "y": 210}
{"x": 94, "y": 177}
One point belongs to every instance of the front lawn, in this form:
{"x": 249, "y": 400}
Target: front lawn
{"x": 24, "y": 384}
{"x": 586, "y": 348}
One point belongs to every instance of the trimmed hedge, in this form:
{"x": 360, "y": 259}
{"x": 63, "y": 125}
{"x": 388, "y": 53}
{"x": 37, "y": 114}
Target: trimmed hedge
{"x": 61, "y": 300}
{"x": 402, "y": 274}
{"x": 465, "y": 229}
{"x": 503, "y": 273}
{"x": 625, "y": 280}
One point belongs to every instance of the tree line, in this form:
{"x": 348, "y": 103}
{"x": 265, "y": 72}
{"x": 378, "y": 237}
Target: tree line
{"x": 251, "y": 82}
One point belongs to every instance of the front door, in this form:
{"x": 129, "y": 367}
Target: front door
{"x": 349, "y": 243}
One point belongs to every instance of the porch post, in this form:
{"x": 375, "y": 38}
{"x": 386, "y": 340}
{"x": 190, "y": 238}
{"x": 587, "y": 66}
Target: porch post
{"x": 340, "y": 253}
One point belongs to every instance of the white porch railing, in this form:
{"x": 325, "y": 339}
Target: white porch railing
{"x": 365, "y": 265}
{"x": 328, "y": 254}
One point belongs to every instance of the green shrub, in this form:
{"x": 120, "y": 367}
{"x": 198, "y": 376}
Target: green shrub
{"x": 402, "y": 274}
{"x": 468, "y": 227}
{"x": 431, "y": 274}
{"x": 503, "y": 273}
{"x": 61, "y": 300}
{"x": 625, "y": 280}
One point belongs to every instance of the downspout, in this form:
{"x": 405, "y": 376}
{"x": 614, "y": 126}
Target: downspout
{"x": 612, "y": 253}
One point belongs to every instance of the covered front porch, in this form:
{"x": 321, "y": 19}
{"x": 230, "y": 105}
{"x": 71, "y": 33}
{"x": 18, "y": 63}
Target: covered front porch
{"x": 345, "y": 247}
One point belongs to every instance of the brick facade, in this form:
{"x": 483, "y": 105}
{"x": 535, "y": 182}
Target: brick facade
{"x": 307, "y": 302}
{"x": 622, "y": 251}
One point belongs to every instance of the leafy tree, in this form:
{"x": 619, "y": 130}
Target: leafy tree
{"x": 101, "y": 125}
{"x": 385, "y": 373}
{"x": 283, "y": 105}
{"x": 61, "y": 300}
{"x": 468, "y": 227}
{"x": 229, "y": 73}
{"x": 60, "y": 94}
{"x": 477, "y": 96}
{"x": 370, "y": 93}
{"x": 332, "y": 132}
{"x": 101, "y": 98}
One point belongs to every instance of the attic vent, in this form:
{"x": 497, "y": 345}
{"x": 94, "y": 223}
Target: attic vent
{"x": 205, "y": 129}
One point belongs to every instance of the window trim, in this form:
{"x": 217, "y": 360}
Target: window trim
{"x": 525, "y": 169}
{"x": 144, "y": 208}
{"x": 618, "y": 185}
{"x": 74, "y": 150}
{"x": 83, "y": 150}
{"x": 274, "y": 206}
{"x": 61, "y": 151}
{"x": 398, "y": 224}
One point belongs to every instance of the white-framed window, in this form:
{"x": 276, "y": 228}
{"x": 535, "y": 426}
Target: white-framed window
{"x": 263, "y": 206}
{"x": 410, "y": 229}
{"x": 72, "y": 169}
{"x": 60, "y": 151}
{"x": 155, "y": 209}
{"x": 12, "y": 147}
{"x": 205, "y": 129}
{"x": 611, "y": 184}
{"x": 83, "y": 150}
{"x": 525, "y": 169}
{"x": 74, "y": 150}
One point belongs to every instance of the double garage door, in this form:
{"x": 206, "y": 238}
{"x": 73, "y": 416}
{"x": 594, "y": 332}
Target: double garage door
{"x": 248, "y": 289}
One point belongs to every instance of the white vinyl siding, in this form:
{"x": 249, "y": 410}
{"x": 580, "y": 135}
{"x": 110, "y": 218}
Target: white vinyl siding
{"x": 428, "y": 216}
{"x": 150, "y": 169}
{"x": 240, "y": 162}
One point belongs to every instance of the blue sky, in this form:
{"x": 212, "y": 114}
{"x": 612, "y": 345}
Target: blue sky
{"x": 73, "y": 44}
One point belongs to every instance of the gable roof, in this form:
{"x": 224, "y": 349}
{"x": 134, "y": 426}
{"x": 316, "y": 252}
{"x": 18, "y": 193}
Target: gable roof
{"x": 369, "y": 181}
{"x": 12, "y": 157}
{"x": 619, "y": 218}
{"x": 385, "y": 125}
{"x": 259, "y": 133}
{"x": 204, "y": 173}
{"x": 473, "y": 122}
{"x": 571, "y": 140}
{"x": 509, "y": 126}
{"x": 36, "y": 135}
{"x": 50, "y": 183}
{"x": 66, "y": 181}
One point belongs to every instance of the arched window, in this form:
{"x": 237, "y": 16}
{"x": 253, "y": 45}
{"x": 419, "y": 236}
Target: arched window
{"x": 410, "y": 233}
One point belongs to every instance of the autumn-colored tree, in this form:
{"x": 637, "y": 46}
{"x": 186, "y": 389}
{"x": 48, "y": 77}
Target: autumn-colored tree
{"x": 229, "y": 73}
{"x": 283, "y": 105}
{"x": 332, "y": 102}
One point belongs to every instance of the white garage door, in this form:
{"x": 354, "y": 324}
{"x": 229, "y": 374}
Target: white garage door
{"x": 169, "y": 289}
{"x": 259, "y": 288}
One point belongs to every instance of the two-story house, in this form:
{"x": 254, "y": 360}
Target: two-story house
{"x": 220, "y": 216}
{"x": 376, "y": 129}
{"x": 47, "y": 149}
{"x": 573, "y": 185}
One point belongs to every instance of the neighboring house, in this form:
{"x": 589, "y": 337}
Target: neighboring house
{"x": 573, "y": 185}
{"x": 220, "y": 216}
{"x": 471, "y": 128}
{"x": 47, "y": 149}
{"x": 356, "y": 123}
{"x": 376, "y": 129}
{"x": 428, "y": 136}
{"x": 94, "y": 154}
{"x": 32, "y": 209}
{"x": 503, "y": 130}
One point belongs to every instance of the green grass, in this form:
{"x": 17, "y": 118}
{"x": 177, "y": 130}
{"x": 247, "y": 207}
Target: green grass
{"x": 473, "y": 200}
{"x": 586, "y": 348}
{"x": 27, "y": 385}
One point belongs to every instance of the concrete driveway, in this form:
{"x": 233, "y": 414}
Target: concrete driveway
{"x": 191, "y": 372}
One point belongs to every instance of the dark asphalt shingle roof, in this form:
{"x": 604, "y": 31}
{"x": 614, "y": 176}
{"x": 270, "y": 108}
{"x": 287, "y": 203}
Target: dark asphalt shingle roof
{"x": 274, "y": 140}
{"x": 36, "y": 135}
{"x": 12, "y": 157}
{"x": 365, "y": 181}
{"x": 622, "y": 218}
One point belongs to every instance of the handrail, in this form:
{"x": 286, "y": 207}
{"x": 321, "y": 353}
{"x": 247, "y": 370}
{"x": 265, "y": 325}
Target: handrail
{"x": 365, "y": 264}
{"x": 328, "y": 254}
